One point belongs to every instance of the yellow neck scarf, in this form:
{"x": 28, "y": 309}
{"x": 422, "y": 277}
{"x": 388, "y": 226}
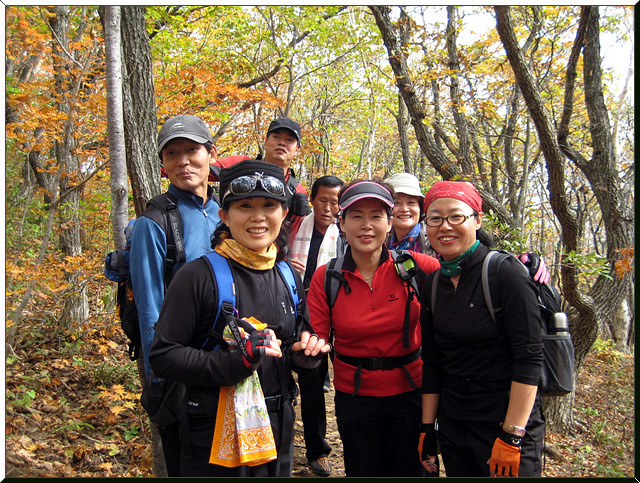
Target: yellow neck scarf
{"x": 229, "y": 248}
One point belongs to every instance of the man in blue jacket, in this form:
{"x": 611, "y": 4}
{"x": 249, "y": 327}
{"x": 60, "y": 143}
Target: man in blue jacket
{"x": 186, "y": 149}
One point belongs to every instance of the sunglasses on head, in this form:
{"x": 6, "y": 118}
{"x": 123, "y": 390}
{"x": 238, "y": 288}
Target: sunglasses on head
{"x": 246, "y": 184}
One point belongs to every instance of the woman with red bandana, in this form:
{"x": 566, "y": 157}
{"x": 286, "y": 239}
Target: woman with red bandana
{"x": 479, "y": 379}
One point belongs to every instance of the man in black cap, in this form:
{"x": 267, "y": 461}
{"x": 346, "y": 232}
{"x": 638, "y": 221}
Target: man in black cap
{"x": 280, "y": 148}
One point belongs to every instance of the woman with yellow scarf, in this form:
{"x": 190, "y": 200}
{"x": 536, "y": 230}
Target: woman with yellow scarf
{"x": 239, "y": 413}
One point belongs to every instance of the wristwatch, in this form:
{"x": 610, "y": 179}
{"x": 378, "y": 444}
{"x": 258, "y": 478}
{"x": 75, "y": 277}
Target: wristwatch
{"x": 515, "y": 430}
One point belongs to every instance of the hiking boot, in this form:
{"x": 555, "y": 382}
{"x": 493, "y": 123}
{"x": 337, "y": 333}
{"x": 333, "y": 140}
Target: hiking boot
{"x": 321, "y": 466}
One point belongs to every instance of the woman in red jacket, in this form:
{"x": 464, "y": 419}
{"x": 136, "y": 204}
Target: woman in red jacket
{"x": 377, "y": 366}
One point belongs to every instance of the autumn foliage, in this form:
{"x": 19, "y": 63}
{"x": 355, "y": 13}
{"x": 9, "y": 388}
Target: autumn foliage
{"x": 72, "y": 394}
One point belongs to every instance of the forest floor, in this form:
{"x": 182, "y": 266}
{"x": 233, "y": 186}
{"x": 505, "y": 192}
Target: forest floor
{"x": 72, "y": 409}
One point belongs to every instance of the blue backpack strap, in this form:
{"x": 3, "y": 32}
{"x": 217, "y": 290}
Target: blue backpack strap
{"x": 225, "y": 292}
{"x": 287, "y": 272}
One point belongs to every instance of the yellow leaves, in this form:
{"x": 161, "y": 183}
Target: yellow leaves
{"x": 115, "y": 393}
{"x": 118, "y": 400}
{"x": 116, "y": 409}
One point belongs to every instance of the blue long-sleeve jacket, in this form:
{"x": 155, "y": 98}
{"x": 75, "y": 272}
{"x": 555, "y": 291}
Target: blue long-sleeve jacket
{"x": 149, "y": 251}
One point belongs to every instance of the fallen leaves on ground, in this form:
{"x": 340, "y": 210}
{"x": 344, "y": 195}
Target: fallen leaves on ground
{"x": 73, "y": 410}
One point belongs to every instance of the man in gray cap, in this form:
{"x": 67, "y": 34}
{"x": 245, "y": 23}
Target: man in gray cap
{"x": 185, "y": 149}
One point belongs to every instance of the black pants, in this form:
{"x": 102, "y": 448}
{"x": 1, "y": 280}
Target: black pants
{"x": 466, "y": 445}
{"x": 380, "y": 435}
{"x": 282, "y": 421}
{"x": 314, "y": 411}
{"x": 170, "y": 436}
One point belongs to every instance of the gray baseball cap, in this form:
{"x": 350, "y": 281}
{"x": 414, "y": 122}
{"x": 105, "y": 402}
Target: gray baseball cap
{"x": 183, "y": 126}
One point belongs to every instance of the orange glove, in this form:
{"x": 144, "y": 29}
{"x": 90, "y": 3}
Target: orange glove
{"x": 505, "y": 458}
{"x": 428, "y": 448}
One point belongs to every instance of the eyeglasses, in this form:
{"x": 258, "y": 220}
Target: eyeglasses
{"x": 451, "y": 219}
{"x": 246, "y": 184}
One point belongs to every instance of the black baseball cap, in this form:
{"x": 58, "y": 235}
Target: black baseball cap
{"x": 286, "y": 123}
{"x": 183, "y": 126}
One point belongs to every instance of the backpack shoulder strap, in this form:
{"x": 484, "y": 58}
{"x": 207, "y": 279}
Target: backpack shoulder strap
{"x": 169, "y": 218}
{"x": 333, "y": 279}
{"x": 406, "y": 267}
{"x": 434, "y": 289}
{"x": 225, "y": 293}
{"x": 490, "y": 274}
{"x": 287, "y": 272}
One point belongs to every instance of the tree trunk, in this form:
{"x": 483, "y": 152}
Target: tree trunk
{"x": 117, "y": 155}
{"x": 402, "y": 120}
{"x": 141, "y": 132}
{"x": 462, "y": 130}
{"x": 435, "y": 155}
{"x": 140, "y": 119}
{"x": 605, "y": 295}
{"x": 76, "y": 306}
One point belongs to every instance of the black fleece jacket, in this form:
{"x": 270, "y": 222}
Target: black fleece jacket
{"x": 467, "y": 358}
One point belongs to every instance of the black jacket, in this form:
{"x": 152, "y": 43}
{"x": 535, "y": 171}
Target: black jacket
{"x": 185, "y": 319}
{"x": 469, "y": 360}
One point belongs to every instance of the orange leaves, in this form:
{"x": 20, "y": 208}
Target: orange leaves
{"x": 626, "y": 263}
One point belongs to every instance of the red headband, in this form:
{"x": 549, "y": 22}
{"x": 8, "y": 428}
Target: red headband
{"x": 459, "y": 190}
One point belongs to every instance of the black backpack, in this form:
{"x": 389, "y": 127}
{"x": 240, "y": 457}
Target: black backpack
{"x": 162, "y": 209}
{"x": 558, "y": 353}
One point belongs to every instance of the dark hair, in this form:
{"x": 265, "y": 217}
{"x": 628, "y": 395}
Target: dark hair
{"x": 485, "y": 238}
{"x": 328, "y": 181}
{"x": 281, "y": 241}
{"x": 208, "y": 146}
{"x": 375, "y": 179}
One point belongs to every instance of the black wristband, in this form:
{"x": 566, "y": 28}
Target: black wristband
{"x": 427, "y": 427}
{"x": 511, "y": 439}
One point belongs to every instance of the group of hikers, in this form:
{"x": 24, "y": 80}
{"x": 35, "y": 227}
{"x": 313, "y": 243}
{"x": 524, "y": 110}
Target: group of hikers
{"x": 417, "y": 378}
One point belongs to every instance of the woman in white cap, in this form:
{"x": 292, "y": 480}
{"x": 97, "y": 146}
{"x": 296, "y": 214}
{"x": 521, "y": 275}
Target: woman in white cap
{"x": 376, "y": 330}
{"x": 408, "y": 232}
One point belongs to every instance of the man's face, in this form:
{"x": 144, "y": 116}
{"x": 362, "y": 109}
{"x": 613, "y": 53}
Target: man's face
{"x": 325, "y": 207}
{"x": 281, "y": 147}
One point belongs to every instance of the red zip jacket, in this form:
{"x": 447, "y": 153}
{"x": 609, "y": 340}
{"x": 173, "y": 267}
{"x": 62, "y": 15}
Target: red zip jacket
{"x": 368, "y": 322}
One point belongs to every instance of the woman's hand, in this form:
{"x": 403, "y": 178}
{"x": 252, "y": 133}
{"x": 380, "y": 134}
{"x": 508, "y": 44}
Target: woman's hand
{"x": 311, "y": 344}
{"x": 260, "y": 344}
{"x": 298, "y": 265}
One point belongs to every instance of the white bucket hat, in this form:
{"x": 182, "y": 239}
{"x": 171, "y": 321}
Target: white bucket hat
{"x": 405, "y": 183}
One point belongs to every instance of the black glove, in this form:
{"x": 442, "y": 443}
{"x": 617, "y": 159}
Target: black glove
{"x": 537, "y": 267}
{"x": 429, "y": 442}
{"x": 254, "y": 346}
